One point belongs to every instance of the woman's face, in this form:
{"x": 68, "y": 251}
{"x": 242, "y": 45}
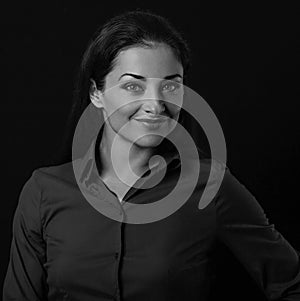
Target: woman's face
{"x": 138, "y": 87}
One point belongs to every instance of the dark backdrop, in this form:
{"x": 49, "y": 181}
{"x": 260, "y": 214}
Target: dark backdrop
{"x": 245, "y": 65}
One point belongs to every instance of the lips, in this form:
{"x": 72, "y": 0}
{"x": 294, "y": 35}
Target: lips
{"x": 152, "y": 120}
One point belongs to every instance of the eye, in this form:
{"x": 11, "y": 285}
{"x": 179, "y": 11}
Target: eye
{"x": 172, "y": 86}
{"x": 133, "y": 87}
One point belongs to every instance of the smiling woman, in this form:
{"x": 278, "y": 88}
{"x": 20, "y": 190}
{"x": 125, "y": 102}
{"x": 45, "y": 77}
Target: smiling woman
{"x": 136, "y": 94}
{"x": 132, "y": 74}
{"x": 136, "y": 89}
{"x": 139, "y": 63}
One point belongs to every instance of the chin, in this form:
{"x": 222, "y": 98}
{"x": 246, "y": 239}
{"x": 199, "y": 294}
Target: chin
{"x": 149, "y": 141}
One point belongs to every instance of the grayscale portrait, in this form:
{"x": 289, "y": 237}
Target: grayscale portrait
{"x": 156, "y": 159}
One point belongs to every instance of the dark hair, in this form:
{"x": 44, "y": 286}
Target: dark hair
{"x": 131, "y": 28}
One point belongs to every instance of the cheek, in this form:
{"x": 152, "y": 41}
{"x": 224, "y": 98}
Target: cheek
{"x": 118, "y": 108}
{"x": 174, "y": 109}
{"x": 120, "y": 116}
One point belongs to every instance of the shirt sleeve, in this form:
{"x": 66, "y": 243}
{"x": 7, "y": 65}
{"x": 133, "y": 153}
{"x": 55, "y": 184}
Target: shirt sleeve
{"x": 268, "y": 257}
{"x": 25, "y": 277}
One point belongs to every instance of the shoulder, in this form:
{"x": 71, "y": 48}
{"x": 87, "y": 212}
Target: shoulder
{"x": 62, "y": 173}
{"x": 219, "y": 185}
{"x": 43, "y": 178}
{"x": 234, "y": 202}
{"x": 210, "y": 170}
{"x": 48, "y": 186}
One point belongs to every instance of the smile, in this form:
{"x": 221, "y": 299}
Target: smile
{"x": 152, "y": 123}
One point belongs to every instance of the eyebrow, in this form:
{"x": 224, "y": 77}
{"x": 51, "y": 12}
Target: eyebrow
{"x": 144, "y": 79}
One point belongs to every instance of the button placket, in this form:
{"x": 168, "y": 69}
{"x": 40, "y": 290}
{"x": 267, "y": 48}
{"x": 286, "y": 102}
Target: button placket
{"x": 117, "y": 254}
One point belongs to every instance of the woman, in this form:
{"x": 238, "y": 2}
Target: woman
{"x": 64, "y": 249}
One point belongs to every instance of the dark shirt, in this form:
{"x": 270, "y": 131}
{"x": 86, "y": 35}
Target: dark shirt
{"x": 64, "y": 249}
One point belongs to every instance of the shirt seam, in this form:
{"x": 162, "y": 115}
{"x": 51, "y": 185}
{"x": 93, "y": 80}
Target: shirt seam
{"x": 40, "y": 201}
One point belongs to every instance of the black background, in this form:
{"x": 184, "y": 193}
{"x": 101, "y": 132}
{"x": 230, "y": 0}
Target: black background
{"x": 245, "y": 64}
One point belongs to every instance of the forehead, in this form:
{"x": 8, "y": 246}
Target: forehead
{"x": 158, "y": 61}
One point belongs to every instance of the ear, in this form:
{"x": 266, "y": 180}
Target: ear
{"x": 96, "y": 95}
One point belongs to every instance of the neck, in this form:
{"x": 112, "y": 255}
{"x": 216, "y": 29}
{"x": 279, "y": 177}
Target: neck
{"x": 138, "y": 159}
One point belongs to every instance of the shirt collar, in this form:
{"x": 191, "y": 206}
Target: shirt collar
{"x": 90, "y": 164}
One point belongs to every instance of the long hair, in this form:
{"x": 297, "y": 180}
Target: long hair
{"x": 129, "y": 29}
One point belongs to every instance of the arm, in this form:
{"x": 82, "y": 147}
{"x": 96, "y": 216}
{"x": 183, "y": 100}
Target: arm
{"x": 243, "y": 226}
{"x": 25, "y": 278}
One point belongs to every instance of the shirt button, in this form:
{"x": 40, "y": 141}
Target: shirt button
{"x": 117, "y": 255}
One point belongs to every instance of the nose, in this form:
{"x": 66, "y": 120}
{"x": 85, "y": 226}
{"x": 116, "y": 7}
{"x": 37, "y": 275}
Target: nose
{"x": 154, "y": 104}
